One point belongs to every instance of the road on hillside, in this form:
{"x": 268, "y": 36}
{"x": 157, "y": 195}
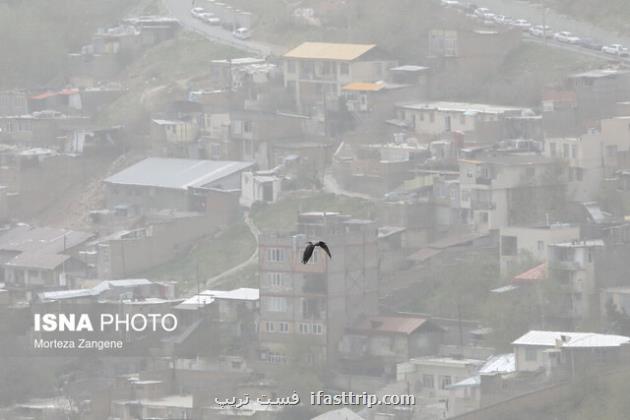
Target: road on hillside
{"x": 180, "y": 9}
{"x": 536, "y": 13}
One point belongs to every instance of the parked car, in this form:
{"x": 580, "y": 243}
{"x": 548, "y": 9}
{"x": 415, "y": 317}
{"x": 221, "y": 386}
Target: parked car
{"x": 196, "y": 12}
{"x": 212, "y": 19}
{"x": 522, "y": 24}
{"x": 591, "y": 43}
{"x": 566, "y": 37}
{"x": 615, "y": 49}
{"x": 541, "y": 31}
{"x": 481, "y": 12}
{"x": 242, "y": 33}
{"x": 450, "y": 3}
{"x": 503, "y": 20}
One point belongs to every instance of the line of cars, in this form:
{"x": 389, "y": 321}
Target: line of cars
{"x": 212, "y": 19}
{"x": 489, "y": 18}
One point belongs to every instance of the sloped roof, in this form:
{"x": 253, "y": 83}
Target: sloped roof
{"x": 47, "y": 240}
{"x": 37, "y": 260}
{"x": 532, "y": 275}
{"x": 363, "y": 87}
{"x": 93, "y": 291}
{"x": 570, "y": 339}
{"x": 329, "y": 51}
{"x": 390, "y": 324}
{"x": 339, "y": 414}
{"x": 176, "y": 173}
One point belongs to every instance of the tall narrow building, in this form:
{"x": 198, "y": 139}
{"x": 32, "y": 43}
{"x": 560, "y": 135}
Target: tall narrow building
{"x": 306, "y": 307}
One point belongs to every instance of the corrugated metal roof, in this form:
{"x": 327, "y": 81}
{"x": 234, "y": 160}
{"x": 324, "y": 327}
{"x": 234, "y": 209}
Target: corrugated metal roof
{"x": 176, "y": 173}
{"x": 502, "y": 363}
{"x": 44, "y": 240}
{"x": 461, "y": 107}
{"x": 570, "y": 339}
{"x": 339, "y": 414}
{"x": 242, "y": 293}
{"x": 37, "y": 260}
{"x": 391, "y": 324}
{"x": 329, "y": 51}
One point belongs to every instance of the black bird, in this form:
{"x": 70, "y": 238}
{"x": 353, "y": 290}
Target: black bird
{"x": 310, "y": 247}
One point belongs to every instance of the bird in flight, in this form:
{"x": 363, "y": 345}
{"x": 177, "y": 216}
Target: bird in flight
{"x": 310, "y": 247}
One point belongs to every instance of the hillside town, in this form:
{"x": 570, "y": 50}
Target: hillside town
{"x": 156, "y": 197}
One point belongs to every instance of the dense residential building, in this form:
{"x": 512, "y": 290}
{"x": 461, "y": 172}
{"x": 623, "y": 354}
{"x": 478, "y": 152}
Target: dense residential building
{"x": 305, "y": 308}
{"x": 585, "y": 163}
{"x": 572, "y": 269}
{"x": 184, "y": 185}
{"x": 520, "y": 245}
{"x": 484, "y": 123}
{"x": 315, "y": 72}
{"x": 505, "y": 190}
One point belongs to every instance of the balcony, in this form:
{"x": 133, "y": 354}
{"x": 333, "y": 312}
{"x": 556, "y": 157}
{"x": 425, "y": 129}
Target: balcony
{"x": 564, "y": 265}
{"x": 482, "y": 205}
{"x": 482, "y": 180}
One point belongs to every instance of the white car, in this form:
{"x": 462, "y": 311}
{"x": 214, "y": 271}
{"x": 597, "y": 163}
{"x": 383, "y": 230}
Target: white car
{"x": 481, "y": 12}
{"x": 502, "y": 20}
{"x": 196, "y": 12}
{"x": 242, "y": 33}
{"x": 615, "y": 49}
{"x": 212, "y": 19}
{"x": 522, "y": 24}
{"x": 541, "y": 31}
{"x": 451, "y": 3}
{"x": 566, "y": 37}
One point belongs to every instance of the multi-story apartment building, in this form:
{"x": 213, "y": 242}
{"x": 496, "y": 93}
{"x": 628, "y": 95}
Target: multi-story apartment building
{"x": 584, "y": 158}
{"x": 505, "y": 190}
{"x": 518, "y": 244}
{"x": 571, "y": 268}
{"x": 317, "y": 71}
{"x": 306, "y": 307}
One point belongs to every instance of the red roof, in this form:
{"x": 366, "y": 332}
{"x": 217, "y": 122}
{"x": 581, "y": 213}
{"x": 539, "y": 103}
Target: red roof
{"x": 49, "y": 94}
{"x": 390, "y": 324}
{"x": 533, "y": 275}
{"x": 560, "y": 95}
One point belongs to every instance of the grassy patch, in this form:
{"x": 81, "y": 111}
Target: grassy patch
{"x": 163, "y": 73}
{"x": 527, "y": 70}
{"x": 283, "y": 214}
{"x": 209, "y": 257}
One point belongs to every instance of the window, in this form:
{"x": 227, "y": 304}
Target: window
{"x": 574, "y": 151}
{"x": 531, "y": 355}
{"x": 462, "y": 119}
{"x": 304, "y": 329}
{"x": 579, "y": 174}
{"x": 541, "y": 246}
{"x": 276, "y": 255}
{"x": 432, "y": 116}
{"x": 269, "y": 327}
{"x": 318, "y": 329}
{"x": 283, "y": 327}
{"x": 276, "y": 280}
{"x": 275, "y": 304}
{"x": 509, "y": 245}
{"x": 428, "y": 381}
{"x": 291, "y": 67}
{"x": 445, "y": 380}
{"x": 344, "y": 68}
{"x": 565, "y": 151}
{"x": 552, "y": 149}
